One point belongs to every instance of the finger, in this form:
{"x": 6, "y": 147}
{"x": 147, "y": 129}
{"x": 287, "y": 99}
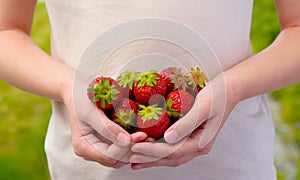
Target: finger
{"x": 122, "y": 153}
{"x": 138, "y": 137}
{"x": 97, "y": 120}
{"x": 163, "y": 162}
{"x": 150, "y": 139}
{"x": 184, "y": 154}
{"x": 119, "y": 164}
{"x": 86, "y": 111}
{"x": 116, "y": 165}
{"x": 96, "y": 151}
{"x": 210, "y": 131}
{"x": 138, "y": 158}
{"x": 156, "y": 149}
{"x": 221, "y": 107}
{"x": 112, "y": 152}
{"x": 91, "y": 148}
{"x": 110, "y": 130}
{"x": 194, "y": 118}
{"x": 135, "y": 138}
{"x": 116, "y": 152}
{"x": 101, "y": 138}
{"x": 163, "y": 150}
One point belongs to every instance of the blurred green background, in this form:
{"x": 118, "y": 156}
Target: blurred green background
{"x": 24, "y": 117}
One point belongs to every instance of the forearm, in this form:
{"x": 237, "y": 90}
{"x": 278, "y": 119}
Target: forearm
{"x": 26, "y": 66}
{"x": 276, "y": 67}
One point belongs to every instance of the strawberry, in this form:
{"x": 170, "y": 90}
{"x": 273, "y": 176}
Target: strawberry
{"x": 165, "y": 75}
{"x": 104, "y": 92}
{"x": 149, "y": 84}
{"x": 153, "y": 120}
{"x": 128, "y": 104}
{"x": 125, "y": 114}
{"x": 91, "y": 94}
{"x": 174, "y": 78}
{"x": 126, "y": 119}
{"x": 126, "y": 81}
{"x": 196, "y": 81}
{"x": 178, "y": 103}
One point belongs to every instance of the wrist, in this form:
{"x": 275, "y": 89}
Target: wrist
{"x": 234, "y": 88}
{"x": 66, "y": 86}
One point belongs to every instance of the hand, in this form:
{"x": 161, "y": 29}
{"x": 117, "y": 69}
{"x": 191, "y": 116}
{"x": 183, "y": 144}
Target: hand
{"x": 194, "y": 134}
{"x": 94, "y": 136}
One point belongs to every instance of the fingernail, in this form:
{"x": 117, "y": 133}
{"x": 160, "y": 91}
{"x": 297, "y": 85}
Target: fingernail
{"x": 171, "y": 137}
{"x": 138, "y": 167}
{"x": 202, "y": 143}
{"x": 123, "y": 139}
{"x": 135, "y": 149}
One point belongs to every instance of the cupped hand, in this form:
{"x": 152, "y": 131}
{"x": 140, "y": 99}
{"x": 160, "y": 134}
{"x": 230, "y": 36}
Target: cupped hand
{"x": 194, "y": 134}
{"x": 94, "y": 136}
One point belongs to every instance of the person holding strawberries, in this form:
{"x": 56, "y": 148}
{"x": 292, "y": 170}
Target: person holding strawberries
{"x": 227, "y": 134}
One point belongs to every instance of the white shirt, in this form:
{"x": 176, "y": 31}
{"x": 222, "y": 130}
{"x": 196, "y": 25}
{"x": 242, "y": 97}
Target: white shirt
{"x": 244, "y": 147}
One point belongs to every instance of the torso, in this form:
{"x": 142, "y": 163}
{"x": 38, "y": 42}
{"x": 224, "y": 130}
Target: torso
{"x": 244, "y": 148}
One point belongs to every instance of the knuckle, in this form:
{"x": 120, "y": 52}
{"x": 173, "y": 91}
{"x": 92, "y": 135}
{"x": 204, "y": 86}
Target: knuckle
{"x": 87, "y": 159}
{"x": 103, "y": 130}
{"x": 79, "y": 146}
{"x": 176, "y": 159}
{"x": 117, "y": 166}
{"x": 206, "y": 150}
{"x": 178, "y": 156}
{"x": 107, "y": 159}
{"x": 111, "y": 160}
{"x": 177, "y": 163}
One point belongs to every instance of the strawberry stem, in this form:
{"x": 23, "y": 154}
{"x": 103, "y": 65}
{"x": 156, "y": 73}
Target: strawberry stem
{"x": 125, "y": 118}
{"x": 178, "y": 78}
{"x": 170, "y": 111}
{"x": 127, "y": 79}
{"x": 104, "y": 92}
{"x": 150, "y": 112}
{"x": 147, "y": 78}
{"x": 197, "y": 78}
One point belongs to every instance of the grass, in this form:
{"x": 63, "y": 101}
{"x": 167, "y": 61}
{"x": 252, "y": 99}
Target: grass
{"x": 24, "y": 117}
{"x": 23, "y": 121}
{"x": 265, "y": 28}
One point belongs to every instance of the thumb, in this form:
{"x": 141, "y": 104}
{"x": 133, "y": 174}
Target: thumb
{"x": 211, "y": 129}
{"x": 110, "y": 130}
{"x": 88, "y": 114}
{"x": 192, "y": 120}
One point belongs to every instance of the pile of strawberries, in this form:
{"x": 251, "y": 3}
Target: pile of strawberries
{"x": 147, "y": 101}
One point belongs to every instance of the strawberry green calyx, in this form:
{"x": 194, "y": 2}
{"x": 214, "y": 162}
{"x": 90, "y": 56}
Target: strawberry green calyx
{"x": 125, "y": 118}
{"x": 178, "y": 78}
{"x": 170, "y": 111}
{"x": 127, "y": 79}
{"x": 150, "y": 112}
{"x": 104, "y": 92}
{"x": 148, "y": 78}
{"x": 197, "y": 78}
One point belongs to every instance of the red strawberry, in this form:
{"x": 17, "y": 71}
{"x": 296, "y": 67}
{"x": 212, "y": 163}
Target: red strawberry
{"x": 175, "y": 78}
{"x": 165, "y": 75}
{"x": 196, "y": 81}
{"x": 149, "y": 86}
{"x": 126, "y": 119}
{"x": 179, "y": 102}
{"x": 128, "y": 104}
{"x": 125, "y": 114}
{"x": 90, "y": 94}
{"x": 104, "y": 92}
{"x": 126, "y": 81}
{"x": 153, "y": 120}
